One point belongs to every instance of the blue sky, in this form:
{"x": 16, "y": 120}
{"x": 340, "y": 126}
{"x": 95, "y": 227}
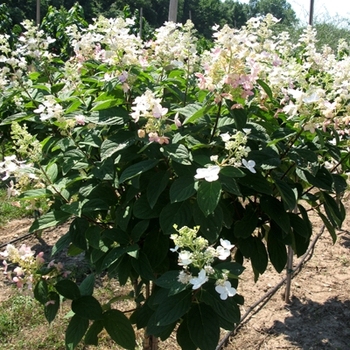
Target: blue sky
{"x": 323, "y": 9}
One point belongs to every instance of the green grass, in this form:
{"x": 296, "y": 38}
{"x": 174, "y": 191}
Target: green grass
{"x": 9, "y": 211}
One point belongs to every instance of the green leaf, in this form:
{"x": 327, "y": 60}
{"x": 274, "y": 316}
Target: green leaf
{"x": 299, "y": 225}
{"x": 334, "y": 214}
{"x": 253, "y": 248}
{"x": 183, "y": 337}
{"x": 203, "y": 326}
{"x": 109, "y": 147}
{"x": 156, "y": 186}
{"x": 51, "y": 309}
{"x": 211, "y": 225}
{"x": 87, "y": 286}
{"x": 115, "y": 253}
{"x": 169, "y": 280}
{"x": 246, "y": 226}
{"x": 256, "y": 182}
{"x": 276, "y": 248}
{"x": 173, "y": 308}
{"x": 87, "y": 307}
{"x": 274, "y": 209}
{"x": 226, "y": 309}
{"x": 323, "y": 179}
{"x": 230, "y": 185}
{"x": 266, "y": 88}
{"x": 91, "y": 337}
{"x": 239, "y": 115}
{"x": 208, "y": 196}
{"x": 234, "y": 268}
{"x": 137, "y": 169}
{"x": 100, "y": 105}
{"x": 61, "y": 244}
{"x": 143, "y": 267}
{"x": 289, "y": 197}
{"x": 41, "y": 292}
{"x": 182, "y": 189}
{"x": 142, "y": 209}
{"x": 192, "y": 112}
{"x": 68, "y": 289}
{"x": 52, "y": 172}
{"x": 119, "y": 328}
{"x": 49, "y": 219}
{"x": 75, "y": 331}
{"x": 176, "y": 213}
{"x": 178, "y": 153}
{"x": 329, "y": 227}
{"x": 339, "y": 183}
{"x": 266, "y": 158}
{"x": 156, "y": 247}
{"x": 231, "y": 171}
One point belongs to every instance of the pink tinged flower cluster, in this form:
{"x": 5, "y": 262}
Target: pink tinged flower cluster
{"x": 11, "y": 166}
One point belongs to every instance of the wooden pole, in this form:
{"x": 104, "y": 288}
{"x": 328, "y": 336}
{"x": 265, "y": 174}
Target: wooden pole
{"x": 173, "y": 5}
{"x": 311, "y": 15}
{"x": 37, "y": 12}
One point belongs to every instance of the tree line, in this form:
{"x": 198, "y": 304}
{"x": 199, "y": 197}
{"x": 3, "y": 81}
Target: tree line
{"x": 203, "y": 13}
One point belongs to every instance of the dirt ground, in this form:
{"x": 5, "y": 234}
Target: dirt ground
{"x": 317, "y": 317}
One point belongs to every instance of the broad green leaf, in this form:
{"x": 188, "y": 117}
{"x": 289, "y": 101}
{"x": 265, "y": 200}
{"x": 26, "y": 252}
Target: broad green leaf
{"x": 159, "y": 331}
{"x": 68, "y": 289}
{"x": 169, "y": 280}
{"x": 276, "y": 248}
{"x": 142, "y": 209}
{"x": 191, "y": 112}
{"x": 156, "y": 186}
{"x": 178, "y": 153}
{"x": 329, "y": 227}
{"x": 208, "y": 196}
{"x": 77, "y": 231}
{"x": 230, "y": 185}
{"x": 41, "y": 291}
{"x": 52, "y": 307}
{"x": 231, "y": 171}
{"x": 339, "y": 183}
{"x": 87, "y": 307}
{"x": 266, "y": 88}
{"x": 49, "y": 219}
{"x": 203, "y": 326}
{"x": 156, "y": 247}
{"x": 139, "y": 229}
{"x": 227, "y": 309}
{"x": 143, "y": 267}
{"x": 274, "y": 209}
{"x": 119, "y": 328}
{"x": 35, "y": 194}
{"x": 87, "y": 286}
{"x": 100, "y": 105}
{"x": 299, "y": 225}
{"x": 109, "y": 147}
{"x": 334, "y": 214}
{"x": 256, "y": 182}
{"x": 211, "y": 225}
{"x": 176, "y": 213}
{"x": 266, "y": 158}
{"x": 323, "y": 179}
{"x": 75, "y": 331}
{"x": 183, "y": 337}
{"x": 246, "y": 226}
{"x": 62, "y": 243}
{"x": 234, "y": 268}
{"x": 115, "y": 253}
{"x": 182, "y": 189}
{"x": 174, "y": 307}
{"x": 289, "y": 196}
{"x": 137, "y": 169}
{"x": 91, "y": 337}
{"x": 239, "y": 115}
{"x": 253, "y": 248}
{"x": 52, "y": 172}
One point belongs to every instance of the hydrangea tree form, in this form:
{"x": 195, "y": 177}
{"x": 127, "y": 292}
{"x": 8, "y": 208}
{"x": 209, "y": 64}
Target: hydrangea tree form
{"x": 172, "y": 166}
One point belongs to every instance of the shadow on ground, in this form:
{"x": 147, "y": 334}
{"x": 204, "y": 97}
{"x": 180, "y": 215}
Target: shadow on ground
{"x": 330, "y": 324}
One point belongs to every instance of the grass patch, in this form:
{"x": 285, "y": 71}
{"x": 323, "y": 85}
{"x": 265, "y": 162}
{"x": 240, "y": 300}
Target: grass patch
{"x": 9, "y": 211}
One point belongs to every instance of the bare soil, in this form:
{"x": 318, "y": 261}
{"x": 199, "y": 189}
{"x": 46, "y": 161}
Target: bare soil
{"x": 317, "y": 316}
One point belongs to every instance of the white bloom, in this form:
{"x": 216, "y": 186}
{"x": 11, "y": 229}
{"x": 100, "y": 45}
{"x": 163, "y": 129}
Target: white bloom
{"x": 197, "y": 282}
{"x": 225, "y": 137}
{"x": 250, "y": 164}
{"x": 209, "y": 174}
{"x": 174, "y": 249}
{"x": 225, "y": 290}
{"x": 226, "y": 244}
{"x": 223, "y": 253}
{"x": 185, "y": 258}
{"x": 311, "y": 98}
{"x": 184, "y": 277}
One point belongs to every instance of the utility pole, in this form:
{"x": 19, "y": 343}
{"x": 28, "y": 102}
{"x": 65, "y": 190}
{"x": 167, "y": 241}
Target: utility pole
{"x": 173, "y": 5}
{"x": 38, "y": 12}
{"x": 311, "y": 16}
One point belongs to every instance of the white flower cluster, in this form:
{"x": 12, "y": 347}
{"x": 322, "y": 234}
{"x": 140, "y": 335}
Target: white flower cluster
{"x": 49, "y": 109}
{"x": 13, "y": 167}
{"x": 26, "y": 263}
{"x": 195, "y": 252}
{"x": 149, "y": 106}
